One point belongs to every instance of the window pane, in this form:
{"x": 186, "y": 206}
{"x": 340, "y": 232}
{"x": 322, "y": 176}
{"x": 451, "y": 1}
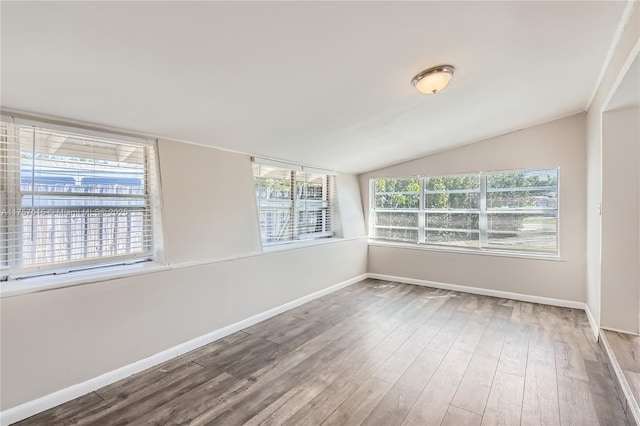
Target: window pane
{"x": 468, "y": 200}
{"x": 452, "y": 192}
{"x": 397, "y": 185}
{"x": 401, "y": 219}
{"x": 453, "y": 182}
{"x": 275, "y": 221}
{"x": 452, "y": 238}
{"x": 397, "y": 201}
{"x": 529, "y": 199}
{"x": 525, "y": 232}
{"x": 397, "y": 234}
{"x": 523, "y": 179}
{"x": 523, "y": 189}
{"x": 452, "y": 220}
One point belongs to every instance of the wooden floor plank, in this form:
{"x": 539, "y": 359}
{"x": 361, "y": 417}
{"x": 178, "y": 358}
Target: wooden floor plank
{"x": 434, "y": 401}
{"x": 504, "y": 405}
{"x": 473, "y": 391}
{"x": 395, "y": 405}
{"x": 290, "y": 403}
{"x": 458, "y": 417}
{"x": 576, "y": 402}
{"x": 360, "y": 404}
{"x": 540, "y": 400}
{"x": 398, "y": 363}
{"x": 323, "y": 405}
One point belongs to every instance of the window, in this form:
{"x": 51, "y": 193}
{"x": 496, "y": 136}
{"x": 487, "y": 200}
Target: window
{"x": 71, "y": 201}
{"x": 502, "y": 211}
{"x": 294, "y": 203}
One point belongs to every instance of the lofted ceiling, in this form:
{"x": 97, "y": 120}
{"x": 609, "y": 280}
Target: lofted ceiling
{"x": 318, "y": 83}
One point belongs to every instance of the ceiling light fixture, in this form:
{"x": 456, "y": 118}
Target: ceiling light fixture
{"x": 434, "y": 79}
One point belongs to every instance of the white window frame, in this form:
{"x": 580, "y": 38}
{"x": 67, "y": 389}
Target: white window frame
{"x": 10, "y": 195}
{"x": 482, "y": 212}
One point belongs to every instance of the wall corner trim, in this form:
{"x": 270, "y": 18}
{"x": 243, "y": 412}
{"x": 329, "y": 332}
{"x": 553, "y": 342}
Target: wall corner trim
{"x": 592, "y": 321}
{"x": 632, "y": 409}
{"x": 30, "y": 408}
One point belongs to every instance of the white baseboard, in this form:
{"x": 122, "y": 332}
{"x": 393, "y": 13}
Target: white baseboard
{"x": 592, "y": 322}
{"x": 632, "y": 408}
{"x": 497, "y": 293}
{"x": 483, "y": 291}
{"x": 61, "y": 396}
{"x": 617, "y": 330}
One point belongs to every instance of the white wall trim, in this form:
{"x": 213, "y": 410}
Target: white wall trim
{"x": 592, "y": 321}
{"x": 617, "y": 330}
{"x": 620, "y": 77}
{"x": 631, "y": 403}
{"x": 483, "y": 291}
{"x": 61, "y": 396}
{"x": 497, "y": 293}
{"x": 622, "y": 24}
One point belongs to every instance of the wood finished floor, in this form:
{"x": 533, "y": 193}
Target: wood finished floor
{"x": 626, "y": 348}
{"x": 376, "y": 353}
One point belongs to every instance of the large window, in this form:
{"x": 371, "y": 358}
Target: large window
{"x": 294, "y": 203}
{"x": 513, "y": 210}
{"x": 71, "y": 201}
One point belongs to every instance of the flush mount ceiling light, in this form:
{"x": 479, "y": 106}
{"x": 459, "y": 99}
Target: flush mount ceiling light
{"x": 434, "y": 79}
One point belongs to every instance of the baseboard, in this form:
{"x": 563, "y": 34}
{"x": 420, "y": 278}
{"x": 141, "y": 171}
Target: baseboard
{"x": 483, "y": 291}
{"x": 617, "y": 330}
{"x": 631, "y": 408}
{"x": 592, "y": 321}
{"x": 498, "y": 293}
{"x": 61, "y": 396}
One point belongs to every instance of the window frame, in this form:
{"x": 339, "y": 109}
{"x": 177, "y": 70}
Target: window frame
{"x": 483, "y": 211}
{"x": 13, "y": 193}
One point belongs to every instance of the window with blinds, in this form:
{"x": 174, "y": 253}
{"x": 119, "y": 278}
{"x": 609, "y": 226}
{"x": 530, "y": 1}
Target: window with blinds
{"x": 294, "y": 202}
{"x": 71, "y": 201}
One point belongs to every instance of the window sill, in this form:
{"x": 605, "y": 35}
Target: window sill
{"x": 293, "y": 245}
{"x": 50, "y": 282}
{"x": 495, "y": 253}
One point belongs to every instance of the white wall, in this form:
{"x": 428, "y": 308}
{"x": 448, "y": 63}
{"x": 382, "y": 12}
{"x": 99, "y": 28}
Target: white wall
{"x": 209, "y": 205}
{"x": 54, "y": 339}
{"x": 620, "y": 264}
{"x": 559, "y": 143}
{"x": 620, "y": 56}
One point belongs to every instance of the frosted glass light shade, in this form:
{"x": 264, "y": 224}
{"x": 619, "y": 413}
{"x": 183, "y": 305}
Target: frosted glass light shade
{"x": 434, "y": 79}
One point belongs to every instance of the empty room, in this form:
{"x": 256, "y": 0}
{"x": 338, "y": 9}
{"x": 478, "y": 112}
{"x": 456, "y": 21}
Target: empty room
{"x": 320, "y": 213}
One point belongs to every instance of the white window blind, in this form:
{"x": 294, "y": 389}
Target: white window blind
{"x": 71, "y": 201}
{"x": 294, "y": 203}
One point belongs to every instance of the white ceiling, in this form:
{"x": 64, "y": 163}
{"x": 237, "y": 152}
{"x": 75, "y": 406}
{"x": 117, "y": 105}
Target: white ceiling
{"x": 319, "y": 83}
